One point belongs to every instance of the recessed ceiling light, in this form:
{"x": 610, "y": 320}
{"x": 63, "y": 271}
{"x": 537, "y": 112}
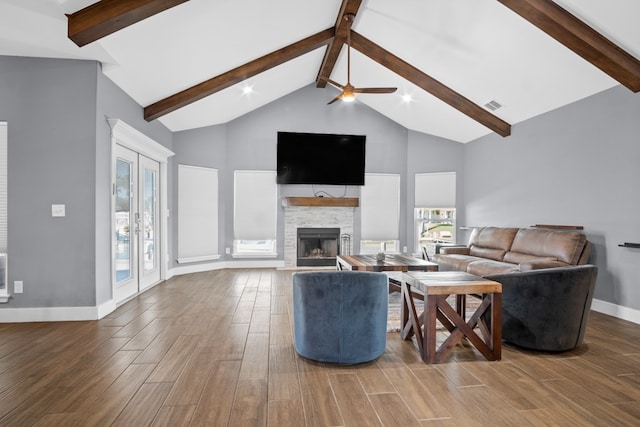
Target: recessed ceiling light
{"x": 247, "y": 90}
{"x": 407, "y": 98}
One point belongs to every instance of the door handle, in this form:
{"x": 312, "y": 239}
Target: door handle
{"x": 136, "y": 219}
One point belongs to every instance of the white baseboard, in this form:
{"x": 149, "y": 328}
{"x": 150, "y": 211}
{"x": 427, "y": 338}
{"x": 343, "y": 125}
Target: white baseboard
{"x": 624, "y": 313}
{"x": 48, "y": 314}
{"x": 106, "y": 308}
{"x": 198, "y": 268}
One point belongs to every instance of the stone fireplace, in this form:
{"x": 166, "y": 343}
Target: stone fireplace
{"x": 318, "y": 246}
{"x": 308, "y": 214}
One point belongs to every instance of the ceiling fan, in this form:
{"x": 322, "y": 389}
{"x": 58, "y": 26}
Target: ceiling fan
{"x": 349, "y": 91}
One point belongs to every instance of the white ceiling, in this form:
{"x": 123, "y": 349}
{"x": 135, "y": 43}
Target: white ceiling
{"x": 479, "y": 48}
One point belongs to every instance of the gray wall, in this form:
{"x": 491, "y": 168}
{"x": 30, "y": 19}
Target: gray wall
{"x": 578, "y": 165}
{"x": 59, "y": 152}
{"x": 249, "y": 142}
{"x": 50, "y": 109}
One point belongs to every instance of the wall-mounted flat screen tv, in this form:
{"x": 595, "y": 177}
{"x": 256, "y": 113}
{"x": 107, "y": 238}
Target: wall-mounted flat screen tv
{"x": 319, "y": 158}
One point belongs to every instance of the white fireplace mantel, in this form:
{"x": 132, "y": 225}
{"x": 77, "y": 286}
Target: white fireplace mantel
{"x": 313, "y": 216}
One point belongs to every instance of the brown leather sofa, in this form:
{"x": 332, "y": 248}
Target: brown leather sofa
{"x": 499, "y": 250}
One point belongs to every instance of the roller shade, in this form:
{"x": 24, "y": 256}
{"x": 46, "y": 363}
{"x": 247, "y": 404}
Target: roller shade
{"x": 380, "y": 207}
{"x": 197, "y": 212}
{"x": 255, "y": 205}
{"x": 435, "y": 190}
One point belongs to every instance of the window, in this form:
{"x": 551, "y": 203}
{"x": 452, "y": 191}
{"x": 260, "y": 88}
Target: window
{"x": 198, "y": 214}
{"x": 380, "y": 213}
{"x": 4, "y": 291}
{"x": 254, "y": 214}
{"x": 435, "y": 213}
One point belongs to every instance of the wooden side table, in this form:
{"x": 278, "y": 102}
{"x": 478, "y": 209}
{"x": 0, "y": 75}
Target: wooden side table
{"x": 436, "y": 287}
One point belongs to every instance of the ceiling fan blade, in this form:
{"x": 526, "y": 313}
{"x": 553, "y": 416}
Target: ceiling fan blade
{"x": 337, "y": 98}
{"x": 336, "y": 84}
{"x": 375, "y": 89}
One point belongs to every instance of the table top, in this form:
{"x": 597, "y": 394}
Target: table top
{"x": 398, "y": 262}
{"x": 450, "y": 282}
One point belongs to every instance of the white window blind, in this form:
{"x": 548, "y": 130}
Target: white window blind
{"x": 255, "y": 205}
{"x": 3, "y": 186}
{"x": 380, "y": 207}
{"x": 435, "y": 190}
{"x": 198, "y": 213}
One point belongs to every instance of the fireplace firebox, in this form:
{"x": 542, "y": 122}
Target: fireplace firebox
{"x": 318, "y": 246}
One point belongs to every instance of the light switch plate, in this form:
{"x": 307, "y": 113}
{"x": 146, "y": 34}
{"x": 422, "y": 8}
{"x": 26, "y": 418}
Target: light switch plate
{"x": 57, "y": 210}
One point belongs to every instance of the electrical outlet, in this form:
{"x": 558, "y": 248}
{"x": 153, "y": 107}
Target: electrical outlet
{"x": 18, "y": 287}
{"x": 227, "y": 251}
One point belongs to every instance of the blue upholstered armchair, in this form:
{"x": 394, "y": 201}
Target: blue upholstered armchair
{"x": 547, "y": 309}
{"x": 340, "y": 316}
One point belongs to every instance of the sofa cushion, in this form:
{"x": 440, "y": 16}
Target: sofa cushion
{"x": 479, "y": 251}
{"x": 483, "y": 239}
{"x": 453, "y": 262}
{"x": 483, "y": 267}
{"x": 565, "y": 246}
{"x": 518, "y": 257}
{"x": 493, "y": 237}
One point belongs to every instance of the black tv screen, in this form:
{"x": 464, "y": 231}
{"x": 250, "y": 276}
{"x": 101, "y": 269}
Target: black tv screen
{"x": 319, "y": 158}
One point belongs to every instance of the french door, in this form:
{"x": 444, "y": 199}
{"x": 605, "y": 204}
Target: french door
{"x": 136, "y": 223}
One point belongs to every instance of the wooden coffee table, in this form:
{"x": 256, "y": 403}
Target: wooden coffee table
{"x": 398, "y": 263}
{"x": 435, "y": 288}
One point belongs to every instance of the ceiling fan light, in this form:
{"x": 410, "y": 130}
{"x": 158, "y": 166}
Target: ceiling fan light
{"x": 349, "y": 97}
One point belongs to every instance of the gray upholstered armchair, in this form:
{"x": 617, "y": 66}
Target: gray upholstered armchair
{"x": 546, "y": 309}
{"x": 340, "y": 316}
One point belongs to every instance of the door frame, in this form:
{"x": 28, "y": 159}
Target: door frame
{"x": 126, "y": 136}
{"x": 148, "y": 278}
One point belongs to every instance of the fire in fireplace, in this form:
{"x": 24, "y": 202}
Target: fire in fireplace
{"x": 317, "y": 246}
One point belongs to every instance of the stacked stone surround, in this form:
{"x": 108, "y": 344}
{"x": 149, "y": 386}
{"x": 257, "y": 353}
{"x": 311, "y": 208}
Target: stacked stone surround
{"x": 312, "y": 217}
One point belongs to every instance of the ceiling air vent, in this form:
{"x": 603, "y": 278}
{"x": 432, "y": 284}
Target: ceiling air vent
{"x": 493, "y": 105}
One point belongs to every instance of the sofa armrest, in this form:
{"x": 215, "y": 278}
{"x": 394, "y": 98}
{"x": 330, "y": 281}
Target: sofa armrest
{"x": 447, "y": 250}
{"x": 540, "y": 264}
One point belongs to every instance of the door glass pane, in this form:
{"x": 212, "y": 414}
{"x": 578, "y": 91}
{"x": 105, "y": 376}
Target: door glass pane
{"x": 149, "y": 220}
{"x": 123, "y": 219}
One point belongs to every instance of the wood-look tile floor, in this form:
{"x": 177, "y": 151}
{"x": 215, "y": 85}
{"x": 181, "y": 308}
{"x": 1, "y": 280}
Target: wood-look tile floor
{"x": 216, "y": 349}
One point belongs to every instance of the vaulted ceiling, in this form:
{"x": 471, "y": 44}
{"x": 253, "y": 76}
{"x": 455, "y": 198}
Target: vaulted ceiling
{"x": 191, "y": 63}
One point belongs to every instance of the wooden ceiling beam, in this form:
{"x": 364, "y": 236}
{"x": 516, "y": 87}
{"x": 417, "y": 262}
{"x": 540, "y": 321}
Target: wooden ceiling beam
{"x": 243, "y": 72}
{"x": 580, "y": 38}
{"x": 348, "y": 7}
{"x": 429, "y": 84}
{"x": 108, "y": 16}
